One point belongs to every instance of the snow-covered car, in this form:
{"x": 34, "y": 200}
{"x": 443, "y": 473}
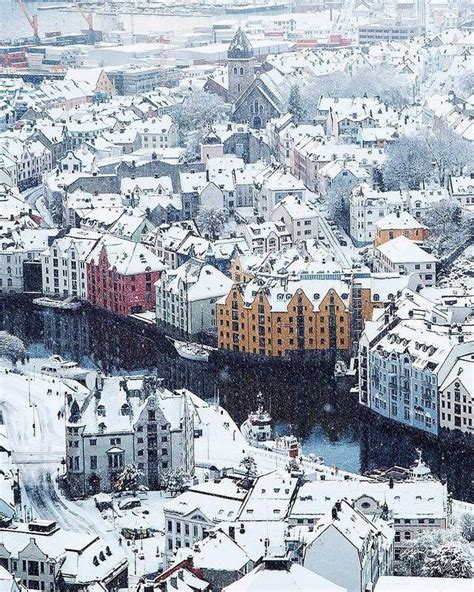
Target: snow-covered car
{"x": 130, "y": 503}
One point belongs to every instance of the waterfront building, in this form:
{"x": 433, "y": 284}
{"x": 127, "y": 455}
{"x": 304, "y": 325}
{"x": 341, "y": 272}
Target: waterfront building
{"x": 409, "y": 358}
{"x": 124, "y": 420}
{"x": 121, "y": 275}
{"x": 20, "y": 259}
{"x": 186, "y": 297}
{"x": 278, "y": 316}
{"x": 64, "y": 263}
{"x": 43, "y": 556}
{"x": 402, "y": 255}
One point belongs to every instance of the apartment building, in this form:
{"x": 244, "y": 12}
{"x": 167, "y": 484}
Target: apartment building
{"x": 265, "y": 237}
{"x": 410, "y": 357}
{"x": 123, "y": 420}
{"x": 301, "y": 219}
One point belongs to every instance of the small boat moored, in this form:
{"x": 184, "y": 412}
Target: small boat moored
{"x": 70, "y": 303}
{"x": 58, "y": 366}
{"x": 197, "y": 352}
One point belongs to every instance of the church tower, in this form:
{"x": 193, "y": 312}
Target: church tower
{"x": 240, "y": 64}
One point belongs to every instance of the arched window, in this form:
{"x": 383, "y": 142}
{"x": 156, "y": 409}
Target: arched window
{"x": 235, "y": 70}
{"x": 241, "y": 71}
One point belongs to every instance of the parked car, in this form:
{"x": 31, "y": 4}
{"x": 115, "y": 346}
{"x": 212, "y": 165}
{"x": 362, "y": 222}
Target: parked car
{"x": 130, "y": 503}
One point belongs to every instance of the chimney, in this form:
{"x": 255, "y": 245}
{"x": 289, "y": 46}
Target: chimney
{"x": 390, "y": 483}
{"x": 334, "y": 513}
{"x": 232, "y": 532}
{"x": 207, "y": 175}
{"x": 181, "y": 574}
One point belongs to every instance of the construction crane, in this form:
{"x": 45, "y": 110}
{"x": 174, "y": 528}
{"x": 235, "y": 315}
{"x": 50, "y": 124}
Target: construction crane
{"x": 87, "y": 16}
{"x": 32, "y": 19}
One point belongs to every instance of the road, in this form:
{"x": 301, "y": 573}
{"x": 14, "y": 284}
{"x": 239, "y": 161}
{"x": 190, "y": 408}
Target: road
{"x": 344, "y": 254}
{"x": 34, "y": 198}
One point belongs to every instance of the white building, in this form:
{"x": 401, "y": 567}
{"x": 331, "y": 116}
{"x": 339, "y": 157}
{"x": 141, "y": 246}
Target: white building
{"x": 127, "y": 419}
{"x": 365, "y": 545}
{"x": 272, "y": 185}
{"x": 186, "y": 297}
{"x": 401, "y": 255}
{"x": 64, "y": 263}
{"x": 46, "y": 557}
{"x": 301, "y": 219}
{"x": 158, "y": 133}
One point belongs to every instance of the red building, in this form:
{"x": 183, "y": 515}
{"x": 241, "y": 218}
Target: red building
{"x": 121, "y": 275}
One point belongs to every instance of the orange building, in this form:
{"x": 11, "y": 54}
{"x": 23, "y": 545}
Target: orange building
{"x": 282, "y": 315}
{"x": 399, "y": 224}
{"x": 274, "y": 316}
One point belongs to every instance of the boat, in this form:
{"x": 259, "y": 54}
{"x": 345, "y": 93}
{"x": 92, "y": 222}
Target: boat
{"x": 258, "y": 425}
{"x": 58, "y": 366}
{"x": 197, "y": 352}
{"x": 257, "y": 430}
{"x": 70, "y": 303}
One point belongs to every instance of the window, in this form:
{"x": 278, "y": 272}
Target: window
{"x": 93, "y": 463}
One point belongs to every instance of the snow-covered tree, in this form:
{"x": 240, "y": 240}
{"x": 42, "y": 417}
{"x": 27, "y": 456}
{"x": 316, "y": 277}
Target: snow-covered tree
{"x": 250, "y": 466}
{"x": 198, "y": 111}
{"x": 337, "y": 202}
{"x": 408, "y": 163}
{"x": 466, "y": 526}
{"x": 447, "y": 229}
{"x": 450, "y": 560}
{"x": 295, "y": 105}
{"x": 448, "y": 152}
{"x": 175, "y": 481}
{"x": 129, "y": 479}
{"x": 437, "y": 553}
{"x": 212, "y": 220}
{"x": 11, "y": 347}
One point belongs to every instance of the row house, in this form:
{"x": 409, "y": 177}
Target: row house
{"x": 121, "y": 275}
{"x": 266, "y": 237}
{"x": 401, "y": 255}
{"x": 63, "y": 264}
{"x": 124, "y": 420}
{"x": 166, "y": 240}
{"x": 186, "y": 297}
{"x": 407, "y": 354}
{"x": 43, "y": 556}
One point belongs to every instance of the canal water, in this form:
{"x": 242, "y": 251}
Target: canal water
{"x": 328, "y": 420}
